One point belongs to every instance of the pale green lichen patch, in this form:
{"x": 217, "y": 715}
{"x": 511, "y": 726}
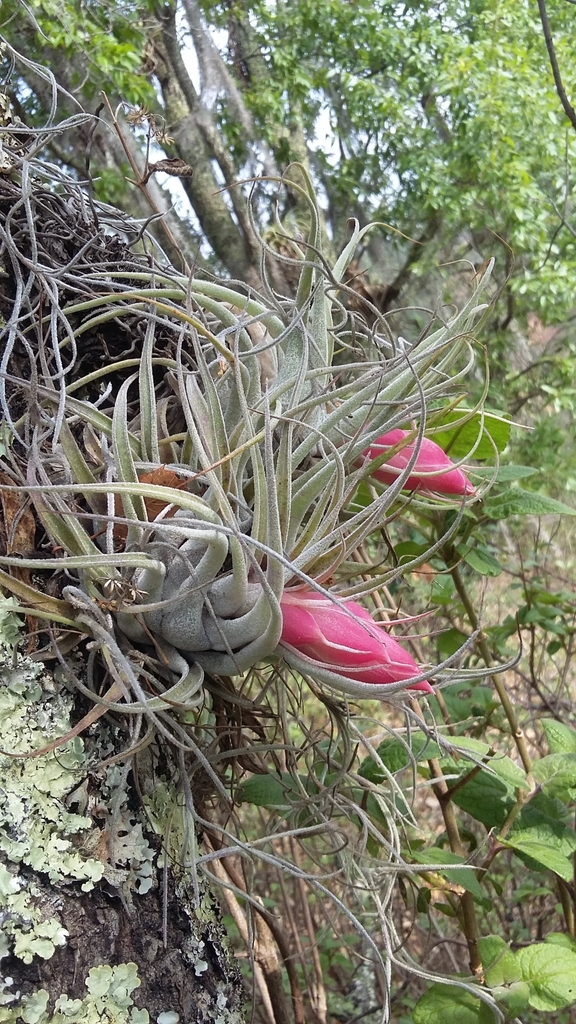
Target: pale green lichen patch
{"x": 37, "y": 829}
{"x": 130, "y": 856}
{"x": 109, "y": 998}
{"x": 10, "y": 614}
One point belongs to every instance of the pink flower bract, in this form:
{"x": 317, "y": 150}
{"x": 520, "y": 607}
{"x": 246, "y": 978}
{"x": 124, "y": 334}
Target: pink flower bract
{"x": 433, "y": 471}
{"x": 361, "y": 651}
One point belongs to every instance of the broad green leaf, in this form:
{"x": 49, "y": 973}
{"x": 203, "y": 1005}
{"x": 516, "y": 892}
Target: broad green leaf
{"x": 486, "y": 798}
{"x": 465, "y": 876}
{"x": 550, "y": 972}
{"x": 537, "y": 854}
{"x": 264, "y": 791}
{"x": 557, "y": 772}
{"x": 512, "y": 998}
{"x": 561, "y": 939}
{"x": 449, "y": 641}
{"x": 408, "y": 550}
{"x": 480, "y": 560}
{"x": 561, "y": 738}
{"x": 395, "y": 756}
{"x": 479, "y": 702}
{"x": 492, "y": 948}
{"x": 502, "y": 765}
{"x": 516, "y": 502}
{"x": 505, "y": 474}
{"x": 503, "y": 974}
{"x": 442, "y": 590}
{"x": 447, "y": 1004}
{"x": 540, "y": 848}
{"x": 458, "y": 442}
{"x": 500, "y": 967}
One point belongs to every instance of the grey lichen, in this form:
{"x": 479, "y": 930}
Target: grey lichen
{"x": 41, "y": 838}
{"x": 70, "y": 837}
{"x": 109, "y": 999}
{"x": 37, "y": 829}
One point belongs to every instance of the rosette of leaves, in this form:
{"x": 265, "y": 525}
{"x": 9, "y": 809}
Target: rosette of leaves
{"x": 181, "y": 485}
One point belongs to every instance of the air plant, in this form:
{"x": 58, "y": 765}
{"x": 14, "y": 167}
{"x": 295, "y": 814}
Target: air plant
{"x": 342, "y": 638}
{"x": 187, "y": 491}
{"x": 432, "y": 471}
{"x": 259, "y": 434}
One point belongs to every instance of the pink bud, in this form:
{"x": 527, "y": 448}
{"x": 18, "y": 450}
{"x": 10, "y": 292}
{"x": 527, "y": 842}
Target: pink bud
{"x": 361, "y": 651}
{"x": 433, "y": 471}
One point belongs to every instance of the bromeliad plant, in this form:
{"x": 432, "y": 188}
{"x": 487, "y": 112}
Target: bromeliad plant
{"x": 196, "y": 490}
{"x": 208, "y": 467}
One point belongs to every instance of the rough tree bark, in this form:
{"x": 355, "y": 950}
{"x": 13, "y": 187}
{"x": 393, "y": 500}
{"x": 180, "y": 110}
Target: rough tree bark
{"x": 98, "y": 905}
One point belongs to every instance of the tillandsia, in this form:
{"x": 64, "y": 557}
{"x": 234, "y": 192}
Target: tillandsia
{"x": 214, "y": 458}
{"x": 191, "y": 471}
{"x": 433, "y": 472}
{"x": 343, "y": 638}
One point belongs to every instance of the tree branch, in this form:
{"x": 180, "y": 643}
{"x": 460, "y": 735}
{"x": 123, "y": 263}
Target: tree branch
{"x": 566, "y": 105}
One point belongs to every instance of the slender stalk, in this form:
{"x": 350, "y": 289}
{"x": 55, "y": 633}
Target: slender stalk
{"x": 518, "y": 735}
{"x": 566, "y": 105}
{"x": 567, "y": 901}
{"x": 469, "y": 920}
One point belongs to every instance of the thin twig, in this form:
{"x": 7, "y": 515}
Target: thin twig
{"x": 518, "y": 735}
{"x": 469, "y": 920}
{"x": 566, "y": 105}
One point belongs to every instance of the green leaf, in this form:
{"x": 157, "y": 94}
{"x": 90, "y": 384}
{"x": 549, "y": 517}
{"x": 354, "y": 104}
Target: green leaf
{"x": 459, "y": 441}
{"x": 449, "y": 641}
{"x": 550, "y": 972}
{"x": 560, "y": 939}
{"x": 516, "y": 502}
{"x": 466, "y": 876}
{"x": 395, "y": 756}
{"x": 557, "y": 772}
{"x": 442, "y": 590}
{"x": 512, "y": 998}
{"x": 503, "y": 766}
{"x": 480, "y": 559}
{"x": 447, "y": 1004}
{"x": 408, "y": 550}
{"x": 536, "y": 851}
{"x": 264, "y": 791}
{"x": 500, "y": 967}
{"x": 503, "y": 974}
{"x": 561, "y": 738}
{"x": 549, "y": 843}
{"x": 492, "y": 948}
{"x": 479, "y": 701}
{"x": 505, "y": 474}
{"x": 486, "y": 798}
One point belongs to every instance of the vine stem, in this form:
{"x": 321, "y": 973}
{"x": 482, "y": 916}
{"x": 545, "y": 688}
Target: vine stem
{"x": 566, "y": 899}
{"x": 518, "y": 735}
{"x": 469, "y": 920}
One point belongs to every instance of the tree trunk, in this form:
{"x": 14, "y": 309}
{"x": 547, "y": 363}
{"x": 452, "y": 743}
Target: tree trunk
{"x": 139, "y": 942}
